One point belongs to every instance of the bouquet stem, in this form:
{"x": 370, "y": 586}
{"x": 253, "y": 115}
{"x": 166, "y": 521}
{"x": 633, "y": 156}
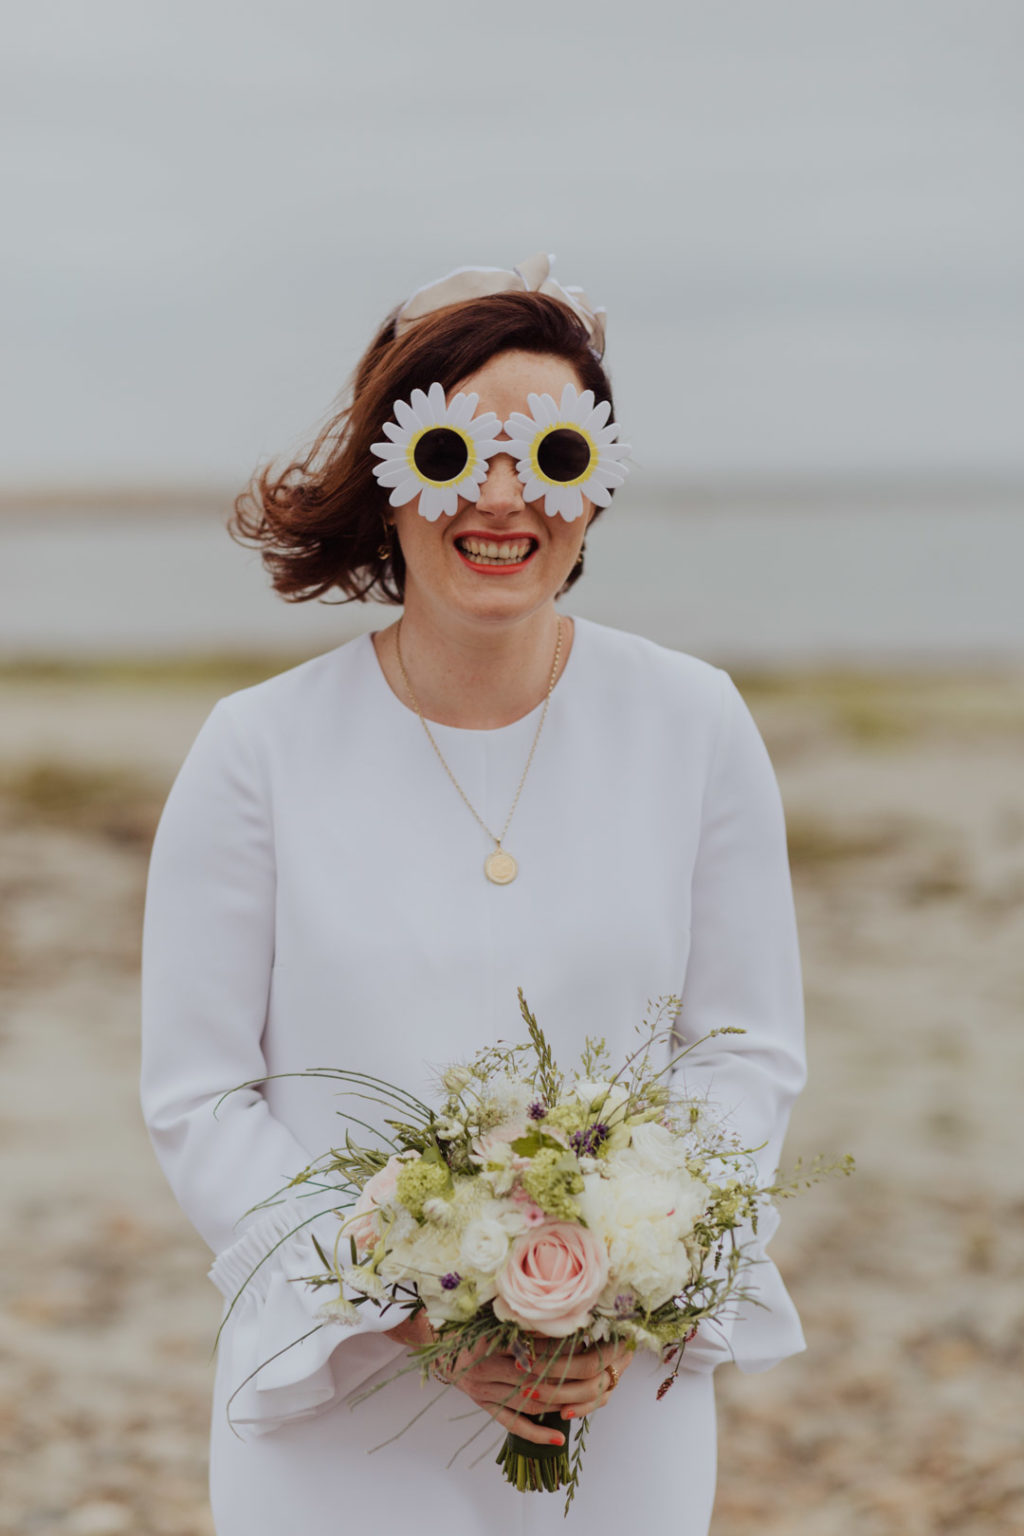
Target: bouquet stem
{"x": 534, "y": 1468}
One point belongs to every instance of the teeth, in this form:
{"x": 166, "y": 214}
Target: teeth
{"x": 488, "y": 552}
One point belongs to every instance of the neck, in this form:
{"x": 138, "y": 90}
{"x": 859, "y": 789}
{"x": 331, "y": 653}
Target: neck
{"x": 476, "y": 677}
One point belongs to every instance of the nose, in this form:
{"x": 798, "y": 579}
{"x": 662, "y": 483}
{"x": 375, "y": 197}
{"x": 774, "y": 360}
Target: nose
{"x": 502, "y": 490}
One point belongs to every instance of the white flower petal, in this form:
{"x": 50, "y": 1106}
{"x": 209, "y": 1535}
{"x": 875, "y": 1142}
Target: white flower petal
{"x": 460, "y": 411}
{"x": 486, "y": 425}
{"x": 598, "y": 417}
{"x": 431, "y": 504}
{"x": 395, "y": 433}
{"x": 608, "y": 474}
{"x": 571, "y": 503}
{"x": 438, "y": 403}
{"x": 421, "y": 408}
{"x": 521, "y": 427}
{"x": 544, "y": 409}
{"x": 577, "y": 407}
{"x": 406, "y": 417}
{"x": 403, "y": 493}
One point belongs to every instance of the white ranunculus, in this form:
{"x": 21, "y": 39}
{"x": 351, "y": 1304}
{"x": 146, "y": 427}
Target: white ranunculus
{"x": 422, "y": 1257}
{"x": 484, "y": 1245}
{"x": 508, "y": 1097}
{"x": 644, "y": 1220}
{"x": 439, "y": 1210}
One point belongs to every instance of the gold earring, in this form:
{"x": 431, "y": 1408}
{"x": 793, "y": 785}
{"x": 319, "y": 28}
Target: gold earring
{"x": 385, "y": 551}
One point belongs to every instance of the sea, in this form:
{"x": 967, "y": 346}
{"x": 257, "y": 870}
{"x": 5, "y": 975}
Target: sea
{"x": 744, "y": 576}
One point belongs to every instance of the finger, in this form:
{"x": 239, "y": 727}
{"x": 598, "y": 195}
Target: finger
{"x": 528, "y": 1428}
{"x": 564, "y": 1367}
{"x": 548, "y": 1394}
{"x": 607, "y": 1387}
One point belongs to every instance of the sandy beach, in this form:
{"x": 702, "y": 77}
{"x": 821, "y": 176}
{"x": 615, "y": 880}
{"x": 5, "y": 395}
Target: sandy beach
{"x": 905, "y": 800}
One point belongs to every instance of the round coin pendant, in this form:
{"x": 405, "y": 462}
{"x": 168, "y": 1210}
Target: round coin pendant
{"x": 500, "y": 867}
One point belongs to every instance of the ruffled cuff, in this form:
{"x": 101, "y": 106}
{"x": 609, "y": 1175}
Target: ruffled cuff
{"x": 759, "y": 1332}
{"x": 281, "y": 1361}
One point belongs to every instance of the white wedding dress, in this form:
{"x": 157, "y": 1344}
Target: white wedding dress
{"x": 317, "y": 898}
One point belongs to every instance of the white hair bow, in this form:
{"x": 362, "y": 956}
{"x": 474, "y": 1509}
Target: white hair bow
{"x": 531, "y": 276}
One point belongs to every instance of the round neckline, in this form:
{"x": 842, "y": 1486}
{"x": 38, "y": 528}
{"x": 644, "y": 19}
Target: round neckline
{"x": 480, "y": 733}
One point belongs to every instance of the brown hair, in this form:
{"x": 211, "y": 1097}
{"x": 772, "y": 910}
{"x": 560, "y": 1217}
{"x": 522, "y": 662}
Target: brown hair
{"x": 319, "y": 521}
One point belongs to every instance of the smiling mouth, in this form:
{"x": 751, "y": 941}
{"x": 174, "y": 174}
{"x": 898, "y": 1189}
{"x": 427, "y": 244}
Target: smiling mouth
{"x": 496, "y": 554}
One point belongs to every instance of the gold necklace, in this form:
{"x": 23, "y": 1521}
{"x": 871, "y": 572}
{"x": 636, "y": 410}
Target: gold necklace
{"x": 500, "y": 866}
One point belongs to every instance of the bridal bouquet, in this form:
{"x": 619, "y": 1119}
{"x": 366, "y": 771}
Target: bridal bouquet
{"x": 584, "y": 1207}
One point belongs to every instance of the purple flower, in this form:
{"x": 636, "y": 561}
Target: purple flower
{"x": 449, "y": 1282}
{"x": 624, "y": 1304}
{"x": 586, "y": 1143}
{"x": 537, "y": 1110}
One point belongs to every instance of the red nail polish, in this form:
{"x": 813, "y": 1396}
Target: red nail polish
{"x": 557, "y": 1440}
{"x": 568, "y": 1413}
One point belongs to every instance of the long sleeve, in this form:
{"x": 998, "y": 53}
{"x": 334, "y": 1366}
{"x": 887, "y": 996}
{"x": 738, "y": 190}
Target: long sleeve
{"x": 744, "y": 971}
{"x": 208, "y": 949}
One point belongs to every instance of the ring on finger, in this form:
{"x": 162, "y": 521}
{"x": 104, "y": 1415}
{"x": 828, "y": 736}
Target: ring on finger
{"x": 613, "y": 1372}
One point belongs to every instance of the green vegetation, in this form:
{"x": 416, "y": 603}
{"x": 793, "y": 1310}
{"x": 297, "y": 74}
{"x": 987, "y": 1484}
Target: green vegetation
{"x": 815, "y": 844}
{"x": 113, "y": 803}
{"x": 226, "y": 670}
{"x": 882, "y": 709}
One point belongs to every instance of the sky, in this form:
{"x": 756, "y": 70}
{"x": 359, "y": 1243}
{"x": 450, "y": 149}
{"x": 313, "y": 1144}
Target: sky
{"x": 805, "y": 220}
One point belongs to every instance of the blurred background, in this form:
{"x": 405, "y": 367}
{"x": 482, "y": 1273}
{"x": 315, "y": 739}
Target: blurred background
{"x": 806, "y": 224}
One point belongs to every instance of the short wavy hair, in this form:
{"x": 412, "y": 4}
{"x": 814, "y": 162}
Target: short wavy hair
{"x": 318, "y": 521}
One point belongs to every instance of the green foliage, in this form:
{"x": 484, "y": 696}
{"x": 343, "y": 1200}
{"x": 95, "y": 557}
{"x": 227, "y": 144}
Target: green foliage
{"x": 549, "y": 1079}
{"x": 422, "y": 1181}
{"x": 805, "y": 1175}
{"x": 551, "y": 1181}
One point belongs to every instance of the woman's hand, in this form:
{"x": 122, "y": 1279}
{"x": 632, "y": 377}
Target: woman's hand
{"x": 575, "y": 1384}
{"x": 511, "y": 1392}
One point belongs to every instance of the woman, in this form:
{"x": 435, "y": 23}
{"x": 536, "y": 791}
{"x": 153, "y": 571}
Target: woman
{"x": 363, "y": 858}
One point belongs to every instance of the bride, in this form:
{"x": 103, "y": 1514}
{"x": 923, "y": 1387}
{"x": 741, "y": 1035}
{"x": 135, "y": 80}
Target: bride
{"x": 364, "y": 857}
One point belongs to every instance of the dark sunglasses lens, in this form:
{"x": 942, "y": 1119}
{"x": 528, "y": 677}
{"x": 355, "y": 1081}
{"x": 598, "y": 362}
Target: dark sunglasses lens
{"x": 563, "y": 455}
{"x": 441, "y": 454}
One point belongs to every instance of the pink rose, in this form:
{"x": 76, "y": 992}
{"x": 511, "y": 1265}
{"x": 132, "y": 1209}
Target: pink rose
{"x": 362, "y": 1224}
{"x": 551, "y": 1278}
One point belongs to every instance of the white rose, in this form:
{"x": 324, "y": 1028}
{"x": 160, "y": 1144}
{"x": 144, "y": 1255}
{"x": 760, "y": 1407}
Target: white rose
{"x": 653, "y": 1149}
{"x": 484, "y": 1245}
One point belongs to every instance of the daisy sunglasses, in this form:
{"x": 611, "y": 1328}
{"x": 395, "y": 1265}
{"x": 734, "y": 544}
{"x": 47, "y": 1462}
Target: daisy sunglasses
{"x": 440, "y": 450}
